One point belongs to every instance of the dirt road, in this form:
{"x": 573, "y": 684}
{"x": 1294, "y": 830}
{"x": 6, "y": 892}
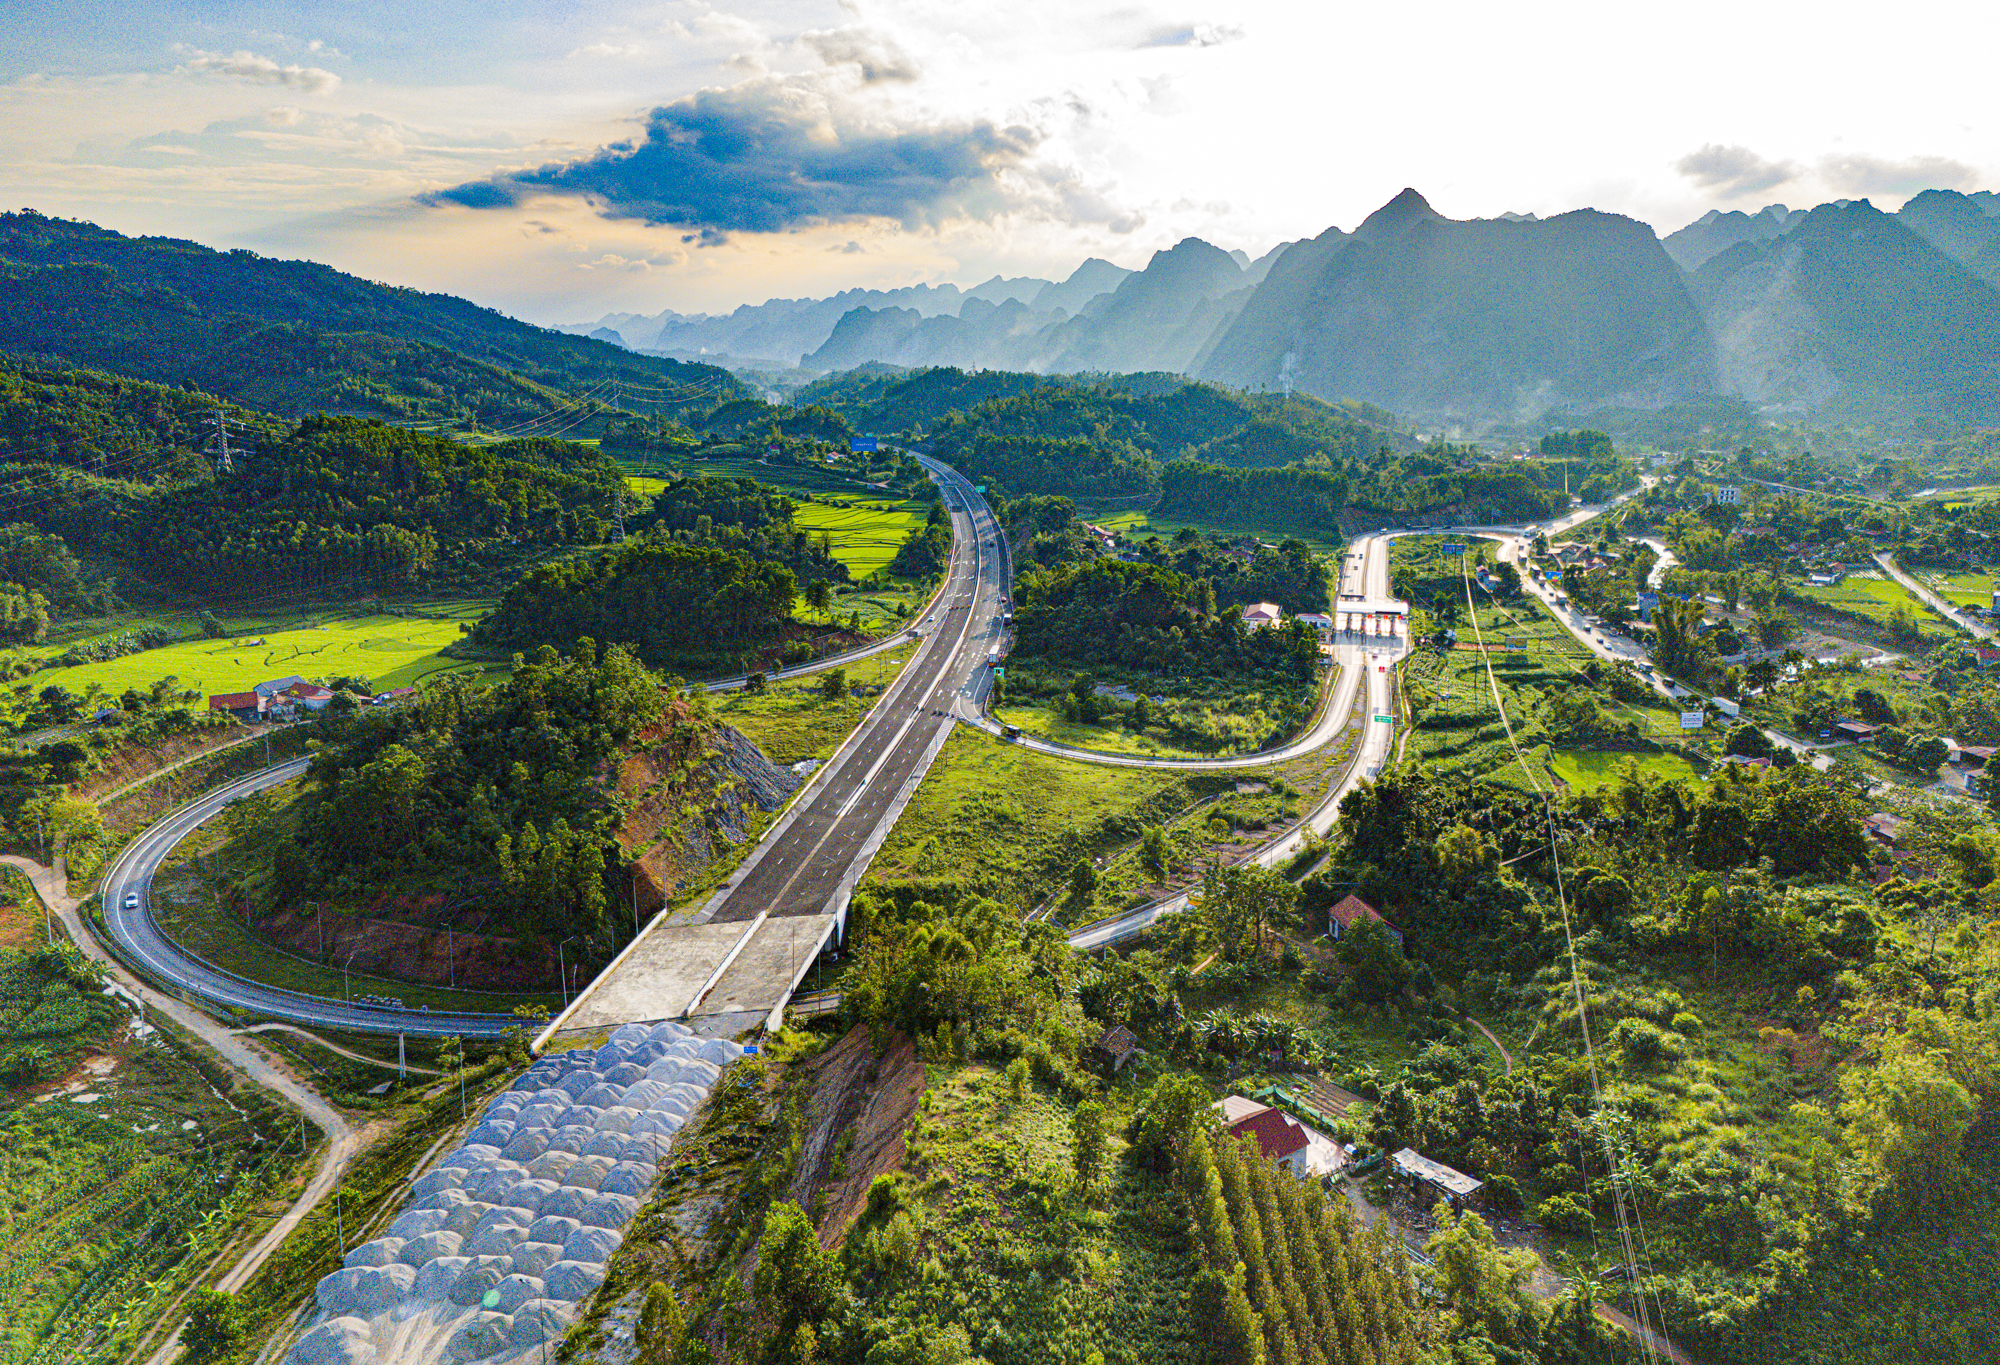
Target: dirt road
{"x": 252, "y": 1061}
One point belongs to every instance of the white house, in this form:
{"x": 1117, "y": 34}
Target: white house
{"x": 1261, "y": 614}
{"x": 1318, "y": 620}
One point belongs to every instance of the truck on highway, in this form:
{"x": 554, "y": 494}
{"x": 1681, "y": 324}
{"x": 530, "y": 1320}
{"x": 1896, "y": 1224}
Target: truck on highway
{"x": 993, "y": 658}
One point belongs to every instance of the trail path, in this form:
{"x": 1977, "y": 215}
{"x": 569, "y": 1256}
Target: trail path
{"x": 310, "y": 1036}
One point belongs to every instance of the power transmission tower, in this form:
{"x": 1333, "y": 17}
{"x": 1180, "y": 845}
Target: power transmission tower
{"x": 618, "y": 508}
{"x": 218, "y": 443}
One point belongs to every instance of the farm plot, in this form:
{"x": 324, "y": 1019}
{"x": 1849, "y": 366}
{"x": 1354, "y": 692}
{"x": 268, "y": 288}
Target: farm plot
{"x": 387, "y": 650}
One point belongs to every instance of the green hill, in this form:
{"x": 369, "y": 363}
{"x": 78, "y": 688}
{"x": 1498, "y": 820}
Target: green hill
{"x": 296, "y": 336}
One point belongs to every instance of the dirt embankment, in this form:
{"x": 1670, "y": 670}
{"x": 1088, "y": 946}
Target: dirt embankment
{"x": 130, "y": 763}
{"x": 863, "y": 1102}
{"x": 692, "y": 796}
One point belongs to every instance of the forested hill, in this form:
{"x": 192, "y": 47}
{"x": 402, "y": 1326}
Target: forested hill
{"x": 338, "y": 504}
{"x": 109, "y": 424}
{"x": 296, "y": 336}
{"x": 1109, "y": 439}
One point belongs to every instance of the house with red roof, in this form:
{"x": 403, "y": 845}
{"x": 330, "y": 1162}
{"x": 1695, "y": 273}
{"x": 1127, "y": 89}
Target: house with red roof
{"x": 1279, "y": 1136}
{"x": 242, "y": 705}
{"x": 1350, "y": 912}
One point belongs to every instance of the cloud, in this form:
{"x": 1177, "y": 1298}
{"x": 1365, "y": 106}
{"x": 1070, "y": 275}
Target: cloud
{"x": 772, "y": 155}
{"x": 253, "y": 69}
{"x": 1730, "y": 171}
{"x": 1195, "y": 35}
{"x": 1877, "y": 175}
{"x": 876, "y": 54}
{"x": 851, "y": 249}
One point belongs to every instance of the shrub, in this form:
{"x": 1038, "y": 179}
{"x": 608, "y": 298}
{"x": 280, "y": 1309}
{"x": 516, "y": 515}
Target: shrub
{"x": 1564, "y": 1214}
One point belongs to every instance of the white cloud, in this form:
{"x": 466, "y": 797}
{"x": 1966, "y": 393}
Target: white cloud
{"x": 1731, "y": 171}
{"x": 254, "y": 69}
{"x": 1860, "y": 175}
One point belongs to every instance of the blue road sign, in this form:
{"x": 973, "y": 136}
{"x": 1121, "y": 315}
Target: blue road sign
{"x": 857, "y": 444}
{"x": 1452, "y": 549}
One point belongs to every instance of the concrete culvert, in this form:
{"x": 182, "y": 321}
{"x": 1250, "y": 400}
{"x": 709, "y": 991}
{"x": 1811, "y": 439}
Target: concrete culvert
{"x": 416, "y": 1222}
{"x": 532, "y": 1258}
{"x": 551, "y": 1165}
{"x": 515, "y": 1290}
{"x": 470, "y": 1287}
{"x": 553, "y": 1229}
{"x": 435, "y": 1280}
{"x": 573, "y": 1281}
{"x": 539, "y": 1320}
{"x": 485, "y": 1335}
{"x": 526, "y": 1145}
{"x": 591, "y": 1244}
{"x": 424, "y": 1249}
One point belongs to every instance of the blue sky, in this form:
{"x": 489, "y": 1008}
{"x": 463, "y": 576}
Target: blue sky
{"x": 564, "y": 160}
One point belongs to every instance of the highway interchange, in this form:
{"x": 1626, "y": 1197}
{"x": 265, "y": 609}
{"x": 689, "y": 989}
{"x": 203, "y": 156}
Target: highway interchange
{"x": 738, "y": 957}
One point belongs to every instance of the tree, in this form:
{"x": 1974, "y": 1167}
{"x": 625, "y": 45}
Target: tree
{"x": 1239, "y": 902}
{"x": 795, "y": 1280}
{"x": 1907, "y": 1119}
{"x": 1486, "y": 1287}
{"x": 1082, "y": 882}
{"x": 1176, "y": 1111}
{"x": 1156, "y": 853}
{"x": 214, "y": 1326}
{"x": 661, "y": 1326}
{"x": 1087, "y": 1134}
{"x": 833, "y": 685}
{"x": 819, "y": 596}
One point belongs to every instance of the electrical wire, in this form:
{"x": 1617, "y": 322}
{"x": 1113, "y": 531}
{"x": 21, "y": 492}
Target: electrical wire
{"x": 1614, "y": 1166}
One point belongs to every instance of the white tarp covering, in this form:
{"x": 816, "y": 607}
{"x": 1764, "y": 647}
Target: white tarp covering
{"x": 505, "y": 1238}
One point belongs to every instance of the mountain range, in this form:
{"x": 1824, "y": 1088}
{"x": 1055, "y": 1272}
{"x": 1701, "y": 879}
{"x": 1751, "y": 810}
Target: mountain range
{"x": 1835, "y": 309}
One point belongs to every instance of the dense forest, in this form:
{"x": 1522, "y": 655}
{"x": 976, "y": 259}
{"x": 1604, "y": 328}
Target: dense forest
{"x": 497, "y": 793}
{"x": 346, "y": 502}
{"x": 295, "y": 336}
{"x": 1109, "y": 611}
{"x": 673, "y": 603}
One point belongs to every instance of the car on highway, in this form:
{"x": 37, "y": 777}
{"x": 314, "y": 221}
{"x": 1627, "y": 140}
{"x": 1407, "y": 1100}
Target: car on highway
{"x": 131, "y": 900}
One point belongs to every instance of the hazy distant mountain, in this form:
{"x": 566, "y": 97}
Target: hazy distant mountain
{"x": 1715, "y": 232}
{"x": 1428, "y": 315}
{"x": 1965, "y": 227}
{"x": 778, "y": 333}
{"x": 1853, "y": 305}
{"x": 1095, "y": 276}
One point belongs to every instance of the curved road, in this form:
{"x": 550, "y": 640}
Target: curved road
{"x": 1364, "y": 573}
{"x": 141, "y": 943}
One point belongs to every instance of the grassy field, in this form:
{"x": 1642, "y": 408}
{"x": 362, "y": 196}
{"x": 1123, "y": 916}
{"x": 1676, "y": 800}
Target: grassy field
{"x": 1586, "y": 768}
{"x": 1969, "y": 589}
{"x": 1139, "y": 525}
{"x": 1192, "y": 718}
{"x": 793, "y": 721}
{"x": 388, "y": 650}
{"x": 998, "y": 820}
{"x": 1874, "y": 597}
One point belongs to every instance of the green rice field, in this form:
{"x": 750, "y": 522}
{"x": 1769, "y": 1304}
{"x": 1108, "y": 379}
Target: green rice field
{"x": 388, "y": 650}
{"x": 1139, "y": 525}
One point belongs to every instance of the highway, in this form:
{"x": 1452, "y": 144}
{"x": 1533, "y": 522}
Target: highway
{"x": 741, "y": 953}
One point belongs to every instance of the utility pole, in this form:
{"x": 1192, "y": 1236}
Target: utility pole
{"x": 218, "y": 444}
{"x": 450, "y": 964}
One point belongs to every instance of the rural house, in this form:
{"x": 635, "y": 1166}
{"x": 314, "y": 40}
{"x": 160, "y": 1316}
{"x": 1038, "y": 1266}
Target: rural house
{"x": 1279, "y": 1136}
{"x": 1258, "y": 615}
{"x": 242, "y": 705}
{"x": 1455, "y": 1187}
{"x": 1351, "y": 911}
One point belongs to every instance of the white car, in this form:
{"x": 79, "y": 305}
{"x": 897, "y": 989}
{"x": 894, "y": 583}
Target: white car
{"x": 131, "y": 900}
